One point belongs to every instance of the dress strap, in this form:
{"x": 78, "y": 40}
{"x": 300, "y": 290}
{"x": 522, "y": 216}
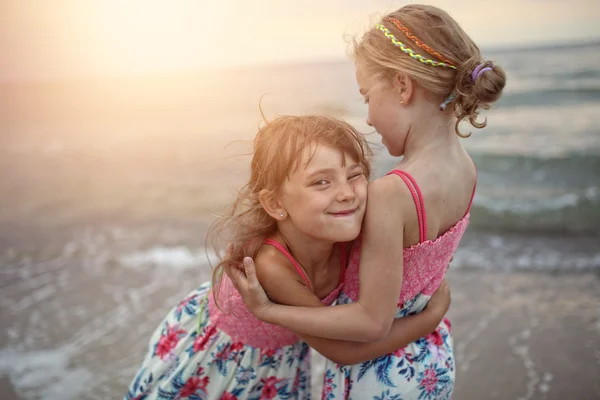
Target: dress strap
{"x": 415, "y": 191}
{"x": 286, "y": 253}
{"x": 343, "y": 250}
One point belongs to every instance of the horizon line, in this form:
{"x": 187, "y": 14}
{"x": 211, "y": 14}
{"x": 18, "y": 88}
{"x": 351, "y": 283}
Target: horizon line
{"x": 505, "y": 48}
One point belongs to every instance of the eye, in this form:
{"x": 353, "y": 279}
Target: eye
{"x": 354, "y": 176}
{"x": 321, "y": 182}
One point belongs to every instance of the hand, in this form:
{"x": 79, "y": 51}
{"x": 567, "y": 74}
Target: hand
{"x": 440, "y": 301}
{"x": 246, "y": 283}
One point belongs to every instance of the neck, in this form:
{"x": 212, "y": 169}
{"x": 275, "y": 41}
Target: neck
{"x": 434, "y": 133}
{"x": 311, "y": 253}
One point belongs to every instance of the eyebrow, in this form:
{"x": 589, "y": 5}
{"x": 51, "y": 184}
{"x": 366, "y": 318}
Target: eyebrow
{"x": 326, "y": 170}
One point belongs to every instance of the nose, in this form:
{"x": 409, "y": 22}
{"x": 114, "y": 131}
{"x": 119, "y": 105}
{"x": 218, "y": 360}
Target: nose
{"x": 346, "y": 192}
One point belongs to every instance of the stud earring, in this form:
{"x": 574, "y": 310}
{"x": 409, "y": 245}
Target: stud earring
{"x": 281, "y": 214}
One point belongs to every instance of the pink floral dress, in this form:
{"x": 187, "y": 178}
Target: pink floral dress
{"x": 200, "y": 352}
{"x": 424, "y": 369}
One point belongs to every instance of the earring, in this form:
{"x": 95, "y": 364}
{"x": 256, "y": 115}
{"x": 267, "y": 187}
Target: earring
{"x": 281, "y": 215}
{"x": 401, "y": 101}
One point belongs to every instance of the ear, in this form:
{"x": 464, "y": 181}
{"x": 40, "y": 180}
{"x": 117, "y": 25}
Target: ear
{"x": 272, "y": 205}
{"x": 404, "y": 86}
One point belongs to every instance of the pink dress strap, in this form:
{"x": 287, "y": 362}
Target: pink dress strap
{"x": 415, "y": 191}
{"x": 286, "y": 253}
{"x": 344, "y": 260}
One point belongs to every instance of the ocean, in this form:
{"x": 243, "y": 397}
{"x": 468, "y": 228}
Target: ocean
{"x": 108, "y": 185}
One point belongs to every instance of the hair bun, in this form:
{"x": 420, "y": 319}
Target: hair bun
{"x": 488, "y": 82}
{"x": 479, "y": 84}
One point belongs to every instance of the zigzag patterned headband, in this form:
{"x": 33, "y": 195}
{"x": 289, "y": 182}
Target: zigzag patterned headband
{"x": 410, "y": 51}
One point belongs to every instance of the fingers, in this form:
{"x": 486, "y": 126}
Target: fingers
{"x": 249, "y": 268}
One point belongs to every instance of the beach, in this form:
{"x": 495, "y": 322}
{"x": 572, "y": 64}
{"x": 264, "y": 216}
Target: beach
{"x": 80, "y": 334}
{"x": 108, "y": 187}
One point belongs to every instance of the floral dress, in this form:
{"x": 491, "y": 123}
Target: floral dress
{"x": 201, "y": 352}
{"x": 424, "y": 369}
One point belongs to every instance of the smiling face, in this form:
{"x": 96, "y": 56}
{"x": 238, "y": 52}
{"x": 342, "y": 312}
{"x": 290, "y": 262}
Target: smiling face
{"x": 325, "y": 196}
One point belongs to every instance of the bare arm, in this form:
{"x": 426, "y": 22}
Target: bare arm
{"x": 404, "y": 331}
{"x": 371, "y": 317}
{"x": 284, "y": 288}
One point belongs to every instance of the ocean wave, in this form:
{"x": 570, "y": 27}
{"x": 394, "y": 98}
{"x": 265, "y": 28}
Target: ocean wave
{"x": 574, "y": 216}
{"x": 528, "y": 193}
{"x": 526, "y": 252}
{"x": 560, "y": 94}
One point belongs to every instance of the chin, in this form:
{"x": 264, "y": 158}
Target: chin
{"x": 395, "y": 152}
{"x": 347, "y": 235}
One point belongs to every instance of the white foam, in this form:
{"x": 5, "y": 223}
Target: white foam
{"x": 46, "y": 373}
{"x": 512, "y": 253}
{"x": 178, "y": 257}
{"x": 532, "y": 205}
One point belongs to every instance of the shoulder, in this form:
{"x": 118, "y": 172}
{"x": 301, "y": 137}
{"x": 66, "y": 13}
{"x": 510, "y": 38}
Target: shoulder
{"x": 272, "y": 267}
{"x": 390, "y": 192}
{"x": 280, "y": 280}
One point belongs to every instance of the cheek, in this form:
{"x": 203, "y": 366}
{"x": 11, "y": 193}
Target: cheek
{"x": 308, "y": 204}
{"x": 361, "y": 190}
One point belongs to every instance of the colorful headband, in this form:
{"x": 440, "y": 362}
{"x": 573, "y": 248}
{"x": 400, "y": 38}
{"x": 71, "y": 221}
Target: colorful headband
{"x": 410, "y": 51}
{"x": 416, "y": 40}
{"x": 477, "y": 72}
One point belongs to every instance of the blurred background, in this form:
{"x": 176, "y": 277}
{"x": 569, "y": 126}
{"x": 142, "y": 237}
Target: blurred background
{"x": 123, "y": 126}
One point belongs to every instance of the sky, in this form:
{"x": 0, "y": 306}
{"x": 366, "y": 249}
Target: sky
{"x": 61, "y": 39}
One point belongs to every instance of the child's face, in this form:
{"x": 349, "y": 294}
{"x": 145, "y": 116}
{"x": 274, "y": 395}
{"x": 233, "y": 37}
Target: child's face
{"x": 326, "y": 198}
{"x": 386, "y": 114}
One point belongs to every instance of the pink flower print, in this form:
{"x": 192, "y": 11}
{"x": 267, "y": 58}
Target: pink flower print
{"x": 435, "y": 338}
{"x": 268, "y": 352}
{"x": 202, "y": 340}
{"x": 237, "y": 346}
{"x": 190, "y": 387}
{"x": 429, "y": 380}
{"x": 168, "y": 341}
{"x": 401, "y": 352}
{"x": 228, "y": 396}
{"x": 269, "y": 390}
{"x": 448, "y": 324}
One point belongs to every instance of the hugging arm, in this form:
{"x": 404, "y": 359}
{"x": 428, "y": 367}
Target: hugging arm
{"x": 370, "y": 318}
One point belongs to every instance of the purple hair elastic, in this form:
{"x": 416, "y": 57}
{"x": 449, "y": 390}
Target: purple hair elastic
{"x": 478, "y": 71}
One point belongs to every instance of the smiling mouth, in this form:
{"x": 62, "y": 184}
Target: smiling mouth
{"x": 344, "y": 213}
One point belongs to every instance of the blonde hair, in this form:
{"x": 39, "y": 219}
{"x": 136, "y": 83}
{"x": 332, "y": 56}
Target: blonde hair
{"x": 278, "y": 150}
{"x": 437, "y": 29}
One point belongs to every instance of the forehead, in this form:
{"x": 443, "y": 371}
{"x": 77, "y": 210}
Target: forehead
{"x": 319, "y": 156}
{"x": 363, "y": 78}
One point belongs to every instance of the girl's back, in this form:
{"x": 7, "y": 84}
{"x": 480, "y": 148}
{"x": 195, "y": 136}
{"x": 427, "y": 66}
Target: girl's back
{"x": 446, "y": 189}
{"x": 440, "y": 215}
